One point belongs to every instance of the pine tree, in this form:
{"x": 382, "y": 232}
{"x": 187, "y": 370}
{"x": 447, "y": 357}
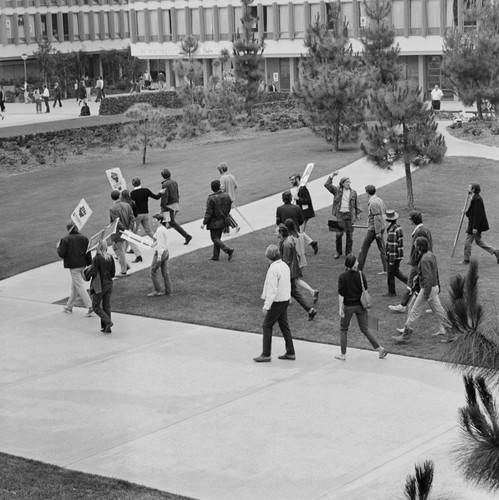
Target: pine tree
{"x": 248, "y": 60}
{"x": 331, "y": 84}
{"x": 405, "y": 130}
{"x": 470, "y": 62}
{"x": 380, "y": 55}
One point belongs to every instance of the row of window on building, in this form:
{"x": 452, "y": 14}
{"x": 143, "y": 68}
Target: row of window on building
{"x": 55, "y": 3}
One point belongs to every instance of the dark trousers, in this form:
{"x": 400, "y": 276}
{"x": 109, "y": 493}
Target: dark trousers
{"x": 297, "y": 295}
{"x": 392, "y": 273}
{"x": 173, "y": 224}
{"x": 104, "y": 310}
{"x": 278, "y": 313}
{"x": 57, "y": 98}
{"x": 361, "y": 314}
{"x": 218, "y": 244}
{"x": 410, "y": 283}
{"x": 344, "y": 221}
{"x": 366, "y": 244}
{"x": 47, "y": 107}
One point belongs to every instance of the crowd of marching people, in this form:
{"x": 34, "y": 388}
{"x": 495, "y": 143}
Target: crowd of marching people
{"x": 285, "y": 279}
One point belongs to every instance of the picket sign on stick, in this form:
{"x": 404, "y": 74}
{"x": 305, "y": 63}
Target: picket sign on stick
{"x": 306, "y": 174}
{"x": 102, "y": 235}
{"x": 143, "y": 241}
{"x": 116, "y": 179}
{"x": 460, "y": 224}
{"x": 244, "y": 218}
{"x": 81, "y": 214}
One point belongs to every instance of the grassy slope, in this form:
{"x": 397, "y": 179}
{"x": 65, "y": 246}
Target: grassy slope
{"x": 439, "y": 194}
{"x": 36, "y": 206}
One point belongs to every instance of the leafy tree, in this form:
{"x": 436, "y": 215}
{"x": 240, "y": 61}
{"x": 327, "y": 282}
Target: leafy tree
{"x": 146, "y": 128}
{"x": 404, "y": 129}
{"x": 248, "y": 59}
{"x": 331, "y": 83}
{"x": 380, "y": 55}
{"x": 43, "y": 58}
{"x": 470, "y": 63}
{"x": 223, "y": 104}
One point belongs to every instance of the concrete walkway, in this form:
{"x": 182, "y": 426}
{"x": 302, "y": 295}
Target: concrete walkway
{"x": 183, "y": 407}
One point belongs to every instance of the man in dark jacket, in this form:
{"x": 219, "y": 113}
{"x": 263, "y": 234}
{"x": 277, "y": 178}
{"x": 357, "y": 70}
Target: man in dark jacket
{"x": 170, "y": 203}
{"x": 477, "y": 224}
{"x": 215, "y": 219}
{"x": 289, "y": 211}
{"x": 303, "y": 199}
{"x": 124, "y": 212}
{"x": 73, "y": 249}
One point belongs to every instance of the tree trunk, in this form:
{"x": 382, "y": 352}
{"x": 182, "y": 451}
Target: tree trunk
{"x": 144, "y": 150}
{"x": 479, "y": 104}
{"x": 408, "y": 182}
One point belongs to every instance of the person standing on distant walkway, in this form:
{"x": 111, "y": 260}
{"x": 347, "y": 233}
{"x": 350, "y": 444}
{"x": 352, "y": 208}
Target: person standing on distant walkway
{"x": 46, "y": 96}
{"x": 170, "y": 203}
{"x": 57, "y": 95}
{"x": 477, "y": 224}
{"x": 228, "y": 185}
{"x": 436, "y": 97}
{"x": 276, "y": 294}
{"x": 346, "y": 211}
{"x": 2, "y": 101}
{"x": 73, "y": 249}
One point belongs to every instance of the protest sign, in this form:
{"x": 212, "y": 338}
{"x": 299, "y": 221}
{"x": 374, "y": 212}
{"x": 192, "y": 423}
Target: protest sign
{"x": 116, "y": 179}
{"x": 306, "y": 174}
{"x": 81, "y": 214}
{"x": 143, "y": 241}
{"x": 103, "y": 234}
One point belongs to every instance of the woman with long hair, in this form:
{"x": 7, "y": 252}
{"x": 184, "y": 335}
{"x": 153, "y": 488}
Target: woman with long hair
{"x": 126, "y": 198}
{"x": 101, "y": 285}
{"x": 302, "y": 260}
{"x": 350, "y": 285}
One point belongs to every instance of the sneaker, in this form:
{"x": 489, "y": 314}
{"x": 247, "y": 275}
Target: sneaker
{"x": 382, "y": 353}
{"x": 316, "y": 296}
{"x": 337, "y": 256}
{"x": 188, "y": 240}
{"x": 400, "y": 330}
{"x": 262, "y": 359}
{"x": 438, "y": 333}
{"x": 153, "y": 294}
{"x": 67, "y": 310}
{"x": 399, "y": 308}
{"x": 311, "y": 314}
{"x": 291, "y": 357}
{"x": 90, "y": 313}
{"x": 341, "y": 357}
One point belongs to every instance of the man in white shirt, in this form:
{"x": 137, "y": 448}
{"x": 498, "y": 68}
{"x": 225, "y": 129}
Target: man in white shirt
{"x": 46, "y": 96}
{"x": 276, "y": 294}
{"x": 436, "y": 97}
{"x": 160, "y": 259}
{"x": 228, "y": 185}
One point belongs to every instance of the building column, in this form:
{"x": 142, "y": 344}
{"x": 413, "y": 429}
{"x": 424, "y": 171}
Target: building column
{"x": 206, "y": 72}
{"x": 293, "y": 73}
{"x": 422, "y": 80}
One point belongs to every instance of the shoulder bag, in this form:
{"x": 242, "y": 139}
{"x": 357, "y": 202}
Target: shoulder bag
{"x": 365, "y": 298}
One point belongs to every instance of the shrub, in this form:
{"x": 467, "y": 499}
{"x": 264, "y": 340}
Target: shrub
{"x": 118, "y": 105}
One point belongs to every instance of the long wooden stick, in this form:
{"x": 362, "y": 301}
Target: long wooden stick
{"x": 460, "y": 225}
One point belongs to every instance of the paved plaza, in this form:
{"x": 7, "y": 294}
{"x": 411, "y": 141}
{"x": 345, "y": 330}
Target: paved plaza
{"x": 183, "y": 407}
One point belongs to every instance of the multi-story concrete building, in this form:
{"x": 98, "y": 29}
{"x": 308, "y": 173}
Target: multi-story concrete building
{"x": 154, "y": 28}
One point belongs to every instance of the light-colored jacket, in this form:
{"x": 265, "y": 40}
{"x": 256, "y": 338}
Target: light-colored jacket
{"x": 277, "y": 286}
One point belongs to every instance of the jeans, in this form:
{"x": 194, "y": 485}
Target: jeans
{"x": 477, "y": 238}
{"x": 278, "y": 313}
{"x": 410, "y": 285}
{"x": 218, "y": 244}
{"x": 119, "y": 247}
{"x": 78, "y": 287}
{"x": 419, "y": 308}
{"x": 146, "y": 224}
{"x": 366, "y": 244}
{"x": 345, "y": 220}
{"x": 57, "y": 98}
{"x": 47, "y": 107}
{"x": 164, "y": 267}
{"x": 392, "y": 273}
{"x": 361, "y": 314}
{"x": 297, "y": 295}
{"x": 173, "y": 224}
{"x": 104, "y": 311}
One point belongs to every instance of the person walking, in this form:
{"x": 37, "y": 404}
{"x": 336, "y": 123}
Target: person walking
{"x": 124, "y": 212}
{"x": 289, "y": 255}
{"x": 394, "y": 252}
{"x": 289, "y": 211}
{"x": 477, "y": 224}
{"x": 140, "y": 195}
{"x": 82, "y": 93}
{"x": 215, "y": 219}
{"x": 57, "y": 95}
{"x": 429, "y": 285}
{"x": 303, "y": 199}
{"x": 345, "y": 210}
{"x": 375, "y": 228}
{"x": 72, "y": 248}
{"x": 420, "y": 230}
{"x": 27, "y": 98}
{"x": 46, "y": 96}
{"x": 160, "y": 260}
{"x": 2, "y": 101}
{"x": 276, "y": 295}
{"x": 436, "y": 97}
{"x": 101, "y": 285}
{"x": 170, "y": 203}
{"x": 38, "y": 100}
{"x": 135, "y": 249}
{"x": 350, "y": 286}
{"x": 228, "y": 185}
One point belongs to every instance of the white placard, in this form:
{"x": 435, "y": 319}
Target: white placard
{"x": 276, "y": 77}
{"x": 81, "y": 214}
{"x": 143, "y": 241}
{"x": 306, "y": 174}
{"x": 103, "y": 234}
{"x": 116, "y": 179}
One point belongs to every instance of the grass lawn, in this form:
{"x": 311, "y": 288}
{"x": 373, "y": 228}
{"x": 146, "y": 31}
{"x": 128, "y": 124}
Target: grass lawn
{"x": 32, "y": 480}
{"x": 36, "y": 206}
{"x": 227, "y": 295}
